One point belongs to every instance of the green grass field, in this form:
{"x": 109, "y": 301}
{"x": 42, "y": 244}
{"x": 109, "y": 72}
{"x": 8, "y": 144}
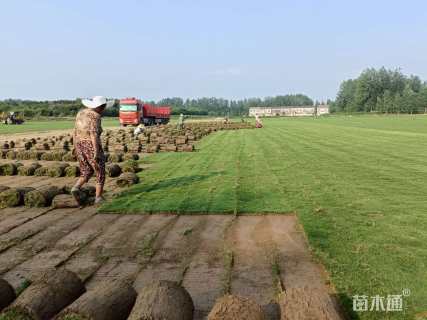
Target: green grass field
{"x": 357, "y": 184}
{"x": 48, "y": 125}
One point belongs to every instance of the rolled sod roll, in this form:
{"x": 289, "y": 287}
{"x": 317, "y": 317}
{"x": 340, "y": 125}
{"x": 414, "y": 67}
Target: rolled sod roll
{"x": 68, "y": 201}
{"x": 42, "y": 171}
{"x": 89, "y": 190}
{"x": 69, "y": 157}
{"x": 127, "y": 179}
{"x": 113, "y": 170}
{"x": 72, "y": 171}
{"x": 7, "y": 294}
{"x": 232, "y": 307}
{"x": 170, "y": 147}
{"x": 11, "y": 155}
{"x": 48, "y": 295}
{"x": 13, "y": 197}
{"x": 181, "y": 140}
{"x": 115, "y": 157}
{"x": 130, "y": 166}
{"x": 108, "y": 301}
{"x": 10, "y": 169}
{"x": 57, "y": 170}
{"x": 28, "y": 170}
{"x": 41, "y": 197}
{"x": 152, "y": 148}
{"x": 131, "y": 156}
{"x": 163, "y": 300}
{"x": 188, "y": 148}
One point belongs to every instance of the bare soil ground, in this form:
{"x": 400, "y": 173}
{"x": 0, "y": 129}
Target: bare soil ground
{"x": 256, "y": 256}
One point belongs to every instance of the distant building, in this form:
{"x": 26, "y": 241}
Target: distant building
{"x": 289, "y": 111}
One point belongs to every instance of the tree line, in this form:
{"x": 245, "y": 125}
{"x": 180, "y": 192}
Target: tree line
{"x": 200, "y": 106}
{"x": 382, "y": 91}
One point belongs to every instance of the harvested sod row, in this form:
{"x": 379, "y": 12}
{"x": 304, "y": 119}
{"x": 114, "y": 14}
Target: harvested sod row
{"x": 13, "y": 197}
{"x": 58, "y": 170}
{"x": 9, "y": 169}
{"x": 42, "y": 171}
{"x": 28, "y": 170}
{"x": 41, "y": 197}
{"x": 232, "y": 307}
{"x": 127, "y": 179}
{"x": 7, "y": 294}
{"x": 163, "y": 300}
{"x": 72, "y": 171}
{"x": 108, "y": 301}
{"x": 45, "y": 297}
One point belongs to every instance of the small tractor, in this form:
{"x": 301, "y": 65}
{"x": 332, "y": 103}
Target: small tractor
{"x": 12, "y": 118}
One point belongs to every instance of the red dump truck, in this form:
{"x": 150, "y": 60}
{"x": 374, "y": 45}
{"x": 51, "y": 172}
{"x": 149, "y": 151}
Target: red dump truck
{"x": 134, "y": 112}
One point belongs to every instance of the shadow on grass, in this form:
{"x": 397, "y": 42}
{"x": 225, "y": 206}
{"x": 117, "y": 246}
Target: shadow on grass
{"x": 346, "y": 306}
{"x": 167, "y": 183}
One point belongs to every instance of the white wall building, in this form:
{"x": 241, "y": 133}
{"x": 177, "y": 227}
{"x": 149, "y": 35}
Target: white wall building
{"x": 288, "y": 111}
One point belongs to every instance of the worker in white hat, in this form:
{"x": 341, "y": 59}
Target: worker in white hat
{"x": 88, "y": 147}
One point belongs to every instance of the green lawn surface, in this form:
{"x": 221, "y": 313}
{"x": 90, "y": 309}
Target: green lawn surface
{"x": 48, "y": 125}
{"x": 357, "y": 184}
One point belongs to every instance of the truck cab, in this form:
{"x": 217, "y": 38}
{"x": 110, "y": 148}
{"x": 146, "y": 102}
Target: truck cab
{"x": 130, "y": 112}
{"x": 133, "y": 112}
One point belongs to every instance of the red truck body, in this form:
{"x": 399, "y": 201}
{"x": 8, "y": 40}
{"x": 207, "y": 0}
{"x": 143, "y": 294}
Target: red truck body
{"x": 134, "y": 112}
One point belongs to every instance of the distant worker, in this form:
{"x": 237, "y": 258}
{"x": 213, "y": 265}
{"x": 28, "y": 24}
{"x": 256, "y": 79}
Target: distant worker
{"x": 88, "y": 147}
{"x": 180, "y": 124}
{"x": 258, "y": 122}
{"x": 139, "y": 129}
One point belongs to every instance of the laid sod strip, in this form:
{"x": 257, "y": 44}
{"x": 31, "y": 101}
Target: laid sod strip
{"x": 108, "y": 301}
{"x": 48, "y": 295}
{"x": 7, "y": 294}
{"x": 163, "y": 300}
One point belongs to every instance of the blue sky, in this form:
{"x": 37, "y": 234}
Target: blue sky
{"x": 233, "y": 49}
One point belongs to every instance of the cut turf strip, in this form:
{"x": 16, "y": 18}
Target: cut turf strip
{"x": 172, "y": 258}
{"x": 87, "y": 262}
{"x": 28, "y": 230}
{"x": 302, "y": 278}
{"x": 61, "y": 251}
{"x": 30, "y": 247}
{"x": 250, "y": 241}
{"x": 18, "y": 216}
{"x": 204, "y": 277}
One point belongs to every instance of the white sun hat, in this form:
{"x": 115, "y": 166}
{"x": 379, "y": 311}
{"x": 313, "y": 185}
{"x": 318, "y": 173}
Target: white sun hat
{"x": 97, "y": 101}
